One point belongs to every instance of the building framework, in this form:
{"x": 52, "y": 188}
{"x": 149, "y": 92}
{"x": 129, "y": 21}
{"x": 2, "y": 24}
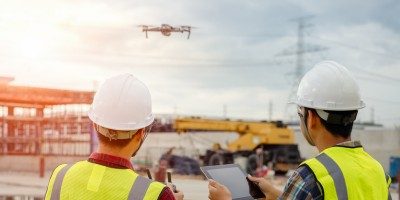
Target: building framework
{"x": 43, "y": 121}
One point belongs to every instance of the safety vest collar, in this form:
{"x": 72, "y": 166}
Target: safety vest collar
{"x": 349, "y": 144}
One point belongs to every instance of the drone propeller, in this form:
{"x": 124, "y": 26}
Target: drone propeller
{"x": 188, "y": 27}
{"x": 147, "y": 26}
{"x": 188, "y": 34}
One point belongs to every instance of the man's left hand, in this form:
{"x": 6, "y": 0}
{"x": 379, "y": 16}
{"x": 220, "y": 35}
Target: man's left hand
{"x": 218, "y": 191}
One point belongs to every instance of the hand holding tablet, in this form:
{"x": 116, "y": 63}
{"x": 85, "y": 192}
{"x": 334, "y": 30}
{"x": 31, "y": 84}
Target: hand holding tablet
{"x": 233, "y": 177}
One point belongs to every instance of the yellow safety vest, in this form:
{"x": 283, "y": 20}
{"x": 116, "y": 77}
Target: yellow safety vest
{"x": 349, "y": 173}
{"x": 86, "y": 180}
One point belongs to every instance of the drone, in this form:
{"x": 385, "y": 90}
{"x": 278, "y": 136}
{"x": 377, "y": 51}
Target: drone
{"x": 166, "y": 29}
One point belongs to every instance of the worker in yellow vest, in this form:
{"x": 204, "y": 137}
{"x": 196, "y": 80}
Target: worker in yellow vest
{"x": 122, "y": 115}
{"x": 328, "y": 100}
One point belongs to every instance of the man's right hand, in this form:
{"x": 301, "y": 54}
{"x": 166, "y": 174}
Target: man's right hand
{"x": 178, "y": 194}
{"x": 266, "y": 187}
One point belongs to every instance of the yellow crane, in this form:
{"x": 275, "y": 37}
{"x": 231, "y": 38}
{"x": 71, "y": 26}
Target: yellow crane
{"x": 275, "y": 138}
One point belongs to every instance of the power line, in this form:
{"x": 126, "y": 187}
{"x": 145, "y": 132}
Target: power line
{"x": 178, "y": 62}
{"x": 88, "y": 54}
{"x": 393, "y": 56}
{"x": 383, "y": 100}
{"x": 374, "y": 74}
{"x": 381, "y": 81}
{"x": 385, "y": 77}
{"x": 390, "y": 118}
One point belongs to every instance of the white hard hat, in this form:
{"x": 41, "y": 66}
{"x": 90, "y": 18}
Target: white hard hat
{"x": 122, "y": 103}
{"x": 329, "y": 86}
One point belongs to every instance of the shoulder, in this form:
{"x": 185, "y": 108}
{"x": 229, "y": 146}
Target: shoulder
{"x": 302, "y": 184}
{"x": 156, "y": 184}
{"x": 166, "y": 194}
{"x": 159, "y": 190}
{"x": 60, "y": 168}
{"x": 153, "y": 189}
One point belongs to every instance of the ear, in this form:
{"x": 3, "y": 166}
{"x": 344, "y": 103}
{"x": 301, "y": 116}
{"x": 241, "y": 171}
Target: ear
{"x": 312, "y": 120}
{"x": 139, "y": 134}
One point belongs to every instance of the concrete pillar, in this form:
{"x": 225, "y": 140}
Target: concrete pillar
{"x": 39, "y": 131}
{"x": 42, "y": 166}
{"x": 10, "y": 128}
{"x": 39, "y": 142}
{"x": 3, "y": 135}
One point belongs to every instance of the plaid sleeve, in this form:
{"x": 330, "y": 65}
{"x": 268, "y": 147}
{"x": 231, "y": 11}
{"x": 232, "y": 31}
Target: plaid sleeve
{"x": 302, "y": 185}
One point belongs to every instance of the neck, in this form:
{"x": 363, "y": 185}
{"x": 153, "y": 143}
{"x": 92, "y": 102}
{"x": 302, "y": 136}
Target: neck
{"x": 118, "y": 152}
{"x": 328, "y": 140}
{"x": 125, "y": 151}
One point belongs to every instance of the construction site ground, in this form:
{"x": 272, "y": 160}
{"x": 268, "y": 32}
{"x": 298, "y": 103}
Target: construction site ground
{"x": 24, "y": 185}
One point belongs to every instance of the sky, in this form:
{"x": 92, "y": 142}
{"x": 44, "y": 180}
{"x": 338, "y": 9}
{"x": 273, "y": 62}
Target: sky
{"x": 233, "y": 58}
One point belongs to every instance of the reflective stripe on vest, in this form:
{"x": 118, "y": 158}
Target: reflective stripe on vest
{"x": 95, "y": 187}
{"x": 388, "y": 181}
{"x": 55, "y": 193}
{"x": 139, "y": 188}
{"x": 349, "y": 173}
{"x": 336, "y": 174}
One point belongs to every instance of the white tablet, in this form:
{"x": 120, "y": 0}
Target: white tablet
{"x": 233, "y": 177}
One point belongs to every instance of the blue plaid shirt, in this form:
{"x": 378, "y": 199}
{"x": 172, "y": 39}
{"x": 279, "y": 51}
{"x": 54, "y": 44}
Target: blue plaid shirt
{"x": 302, "y": 185}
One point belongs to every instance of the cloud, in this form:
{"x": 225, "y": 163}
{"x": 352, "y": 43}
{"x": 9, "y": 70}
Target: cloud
{"x": 230, "y": 58}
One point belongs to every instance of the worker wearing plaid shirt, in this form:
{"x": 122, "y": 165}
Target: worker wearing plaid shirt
{"x": 328, "y": 100}
{"x": 303, "y": 184}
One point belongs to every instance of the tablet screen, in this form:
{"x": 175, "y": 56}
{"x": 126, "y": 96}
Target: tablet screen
{"x": 232, "y": 177}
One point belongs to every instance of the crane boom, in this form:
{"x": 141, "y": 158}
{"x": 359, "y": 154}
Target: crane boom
{"x": 252, "y": 134}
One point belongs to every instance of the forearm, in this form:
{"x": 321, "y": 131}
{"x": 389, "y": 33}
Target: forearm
{"x": 273, "y": 193}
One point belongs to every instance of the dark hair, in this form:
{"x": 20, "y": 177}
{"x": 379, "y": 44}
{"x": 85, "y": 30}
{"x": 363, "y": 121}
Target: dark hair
{"x": 113, "y": 143}
{"x": 341, "y": 130}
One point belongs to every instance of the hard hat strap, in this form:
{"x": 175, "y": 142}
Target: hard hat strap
{"x": 120, "y": 135}
{"x": 339, "y": 119}
{"x": 146, "y": 132}
{"x": 303, "y": 114}
{"x": 114, "y": 134}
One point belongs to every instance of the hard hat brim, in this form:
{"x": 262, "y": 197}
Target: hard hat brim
{"x": 355, "y": 107}
{"x": 122, "y": 126}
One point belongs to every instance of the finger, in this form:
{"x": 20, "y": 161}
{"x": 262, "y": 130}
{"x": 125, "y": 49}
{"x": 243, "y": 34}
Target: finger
{"x": 170, "y": 187}
{"x": 211, "y": 192}
{"x": 213, "y": 183}
{"x": 211, "y": 188}
{"x": 254, "y": 179}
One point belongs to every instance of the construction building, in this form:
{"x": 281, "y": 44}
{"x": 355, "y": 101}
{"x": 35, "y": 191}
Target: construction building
{"x": 41, "y": 122}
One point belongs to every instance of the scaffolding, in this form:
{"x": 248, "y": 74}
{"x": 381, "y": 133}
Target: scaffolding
{"x": 43, "y": 121}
